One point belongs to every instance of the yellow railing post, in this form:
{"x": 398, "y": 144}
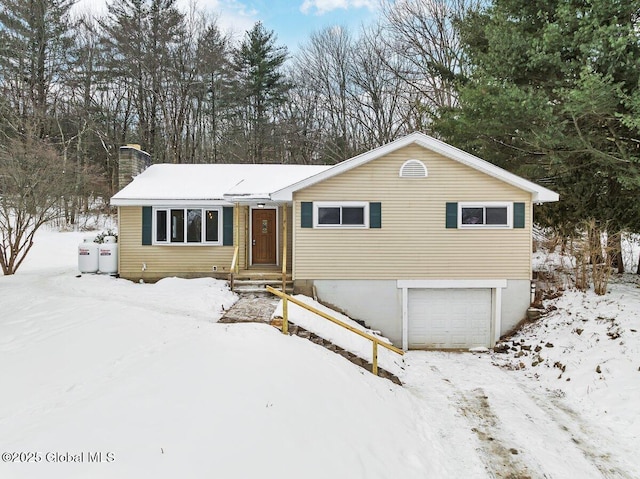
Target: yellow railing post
{"x": 284, "y": 248}
{"x": 374, "y": 367}
{"x": 285, "y": 316}
{"x": 375, "y": 340}
{"x": 236, "y": 239}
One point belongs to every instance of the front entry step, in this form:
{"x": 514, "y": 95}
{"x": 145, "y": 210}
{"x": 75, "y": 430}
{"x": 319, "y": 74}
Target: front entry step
{"x": 243, "y": 286}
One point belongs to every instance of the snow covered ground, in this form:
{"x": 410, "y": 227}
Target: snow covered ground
{"x": 144, "y": 375}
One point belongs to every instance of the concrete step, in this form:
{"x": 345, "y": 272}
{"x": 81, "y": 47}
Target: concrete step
{"x": 260, "y": 282}
{"x": 256, "y": 290}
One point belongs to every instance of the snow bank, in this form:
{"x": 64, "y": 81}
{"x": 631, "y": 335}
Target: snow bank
{"x": 143, "y": 377}
{"x": 338, "y": 335}
{"x": 587, "y": 350}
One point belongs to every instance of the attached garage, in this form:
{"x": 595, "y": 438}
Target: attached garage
{"x": 449, "y": 318}
{"x": 450, "y": 314}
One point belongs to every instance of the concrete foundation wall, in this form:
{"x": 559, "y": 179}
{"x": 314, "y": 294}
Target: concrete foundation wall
{"x": 379, "y": 302}
{"x": 516, "y": 299}
{"x": 376, "y": 302}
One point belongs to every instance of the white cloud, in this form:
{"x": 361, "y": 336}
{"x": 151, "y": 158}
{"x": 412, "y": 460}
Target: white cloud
{"x": 320, "y": 7}
{"x": 234, "y": 16}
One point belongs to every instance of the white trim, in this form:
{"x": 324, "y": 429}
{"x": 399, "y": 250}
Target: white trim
{"x": 496, "y": 286}
{"x": 486, "y": 204}
{"x": 251, "y": 209}
{"x": 497, "y": 315}
{"x": 413, "y": 161}
{"x": 452, "y": 283}
{"x": 340, "y": 204}
{"x": 204, "y": 209}
{"x": 169, "y": 203}
{"x": 539, "y": 193}
{"x": 405, "y": 319}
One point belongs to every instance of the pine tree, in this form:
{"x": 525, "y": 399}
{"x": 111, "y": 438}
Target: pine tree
{"x": 261, "y": 90}
{"x": 554, "y": 96}
{"x": 35, "y": 37}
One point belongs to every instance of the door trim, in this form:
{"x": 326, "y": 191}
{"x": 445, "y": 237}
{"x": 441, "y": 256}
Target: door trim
{"x": 250, "y": 238}
{"x": 495, "y": 285}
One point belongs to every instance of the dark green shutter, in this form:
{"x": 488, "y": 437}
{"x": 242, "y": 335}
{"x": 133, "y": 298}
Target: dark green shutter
{"x": 306, "y": 214}
{"x": 518, "y": 215}
{"x": 147, "y": 222}
{"x": 375, "y": 215}
{"x": 452, "y": 215}
{"x": 227, "y": 226}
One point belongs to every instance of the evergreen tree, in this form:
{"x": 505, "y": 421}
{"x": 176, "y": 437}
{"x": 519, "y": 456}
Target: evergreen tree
{"x": 554, "y": 96}
{"x": 261, "y": 90}
{"x": 141, "y": 36}
{"x": 35, "y": 37}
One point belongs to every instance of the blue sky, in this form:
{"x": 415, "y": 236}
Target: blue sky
{"x": 292, "y": 20}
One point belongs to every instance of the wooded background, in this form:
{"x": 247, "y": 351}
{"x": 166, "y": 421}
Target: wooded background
{"x": 545, "y": 89}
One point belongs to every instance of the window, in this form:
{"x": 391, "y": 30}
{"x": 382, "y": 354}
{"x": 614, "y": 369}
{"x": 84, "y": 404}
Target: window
{"x": 185, "y": 226}
{"x": 488, "y": 215}
{"x": 341, "y": 215}
{"x": 413, "y": 169}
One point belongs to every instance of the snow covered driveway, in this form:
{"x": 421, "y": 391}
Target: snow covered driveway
{"x": 514, "y": 430}
{"x": 93, "y": 365}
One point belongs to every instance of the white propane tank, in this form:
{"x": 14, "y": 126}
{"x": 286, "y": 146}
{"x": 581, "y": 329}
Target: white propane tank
{"x": 88, "y": 256}
{"x": 108, "y": 253}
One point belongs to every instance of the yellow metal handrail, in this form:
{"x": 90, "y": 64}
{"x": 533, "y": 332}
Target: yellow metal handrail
{"x": 284, "y": 249}
{"x": 234, "y": 266}
{"x": 375, "y": 340}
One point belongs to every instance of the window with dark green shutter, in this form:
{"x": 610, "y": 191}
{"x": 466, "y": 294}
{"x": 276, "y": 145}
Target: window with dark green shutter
{"x": 452, "y": 215}
{"x": 178, "y": 226}
{"x": 227, "y": 226}
{"x": 306, "y": 214}
{"x": 480, "y": 215}
{"x": 375, "y": 215}
{"x": 147, "y": 225}
{"x": 341, "y": 214}
{"x": 518, "y": 215}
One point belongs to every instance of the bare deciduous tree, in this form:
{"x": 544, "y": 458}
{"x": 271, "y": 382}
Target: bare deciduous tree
{"x": 32, "y": 181}
{"x": 422, "y": 33}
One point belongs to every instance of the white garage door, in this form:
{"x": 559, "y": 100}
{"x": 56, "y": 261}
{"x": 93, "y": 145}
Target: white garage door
{"x": 449, "y": 318}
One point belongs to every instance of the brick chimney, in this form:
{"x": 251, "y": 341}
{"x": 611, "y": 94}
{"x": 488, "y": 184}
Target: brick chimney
{"x": 131, "y": 162}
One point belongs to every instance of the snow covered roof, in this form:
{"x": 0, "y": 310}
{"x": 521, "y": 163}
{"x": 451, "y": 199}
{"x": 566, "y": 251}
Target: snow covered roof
{"x": 539, "y": 193}
{"x": 167, "y": 184}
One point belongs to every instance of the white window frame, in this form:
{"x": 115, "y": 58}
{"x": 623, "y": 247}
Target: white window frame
{"x": 419, "y": 163}
{"x": 202, "y": 241}
{"x": 484, "y": 205}
{"x": 339, "y": 204}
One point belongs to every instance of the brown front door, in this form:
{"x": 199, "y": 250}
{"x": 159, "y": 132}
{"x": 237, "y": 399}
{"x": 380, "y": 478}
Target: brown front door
{"x": 263, "y": 230}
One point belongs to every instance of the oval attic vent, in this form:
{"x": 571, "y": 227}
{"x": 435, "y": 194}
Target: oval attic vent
{"x": 413, "y": 169}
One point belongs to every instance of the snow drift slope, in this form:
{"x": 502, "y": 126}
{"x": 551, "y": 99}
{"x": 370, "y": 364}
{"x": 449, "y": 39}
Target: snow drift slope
{"x": 95, "y": 364}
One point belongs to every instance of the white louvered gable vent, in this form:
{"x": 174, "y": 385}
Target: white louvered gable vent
{"x": 413, "y": 169}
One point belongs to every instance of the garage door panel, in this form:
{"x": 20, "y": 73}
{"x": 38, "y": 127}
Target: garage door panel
{"x": 449, "y": 318}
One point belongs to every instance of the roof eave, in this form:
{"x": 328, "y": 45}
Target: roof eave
{"x": 169, "y": 202}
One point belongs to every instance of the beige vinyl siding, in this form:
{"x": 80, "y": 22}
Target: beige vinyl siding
{"x": 413, "y": 241}
{"x": 170, "y": 260}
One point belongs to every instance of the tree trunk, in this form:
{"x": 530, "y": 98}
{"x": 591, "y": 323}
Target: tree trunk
{"x": 614, "y": 251}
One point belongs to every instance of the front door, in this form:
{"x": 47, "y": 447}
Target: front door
{"x": 263, "y": 231}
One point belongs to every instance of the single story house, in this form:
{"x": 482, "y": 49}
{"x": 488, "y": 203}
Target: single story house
{"x": 424, "y": 242}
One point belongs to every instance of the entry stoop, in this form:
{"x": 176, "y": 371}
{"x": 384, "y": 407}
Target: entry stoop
{"x": 256, "y": 282}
